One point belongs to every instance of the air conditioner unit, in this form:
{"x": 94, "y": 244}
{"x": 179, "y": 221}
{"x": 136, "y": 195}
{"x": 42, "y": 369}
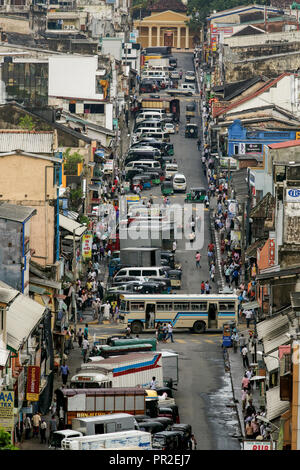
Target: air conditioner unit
{"x": 66, "y": 26}
{"x": 72, "y": 26}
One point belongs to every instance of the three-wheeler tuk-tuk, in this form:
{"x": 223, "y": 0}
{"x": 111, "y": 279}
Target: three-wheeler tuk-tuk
{"x": 146, "y": 181}
{"x": 154, "y": 177}
{"x": 175, "y": 278}
{"x": 190, "y": 110}
{"x": 151, "y": 426}
{"x": 191, "y": 130}
{"x": 167, "y": 188}
{"x": 186, "y": 430}
{"x": 168, "y": 441}
{"x": 137, "y": 182}
{"x": 227, "y": 333}
{"x": 196, "y": 195}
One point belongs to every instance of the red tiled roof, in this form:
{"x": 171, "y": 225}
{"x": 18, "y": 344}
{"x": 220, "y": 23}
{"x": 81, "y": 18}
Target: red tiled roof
{"x": 264, "y": 88}
{"x": 283, "y": 145}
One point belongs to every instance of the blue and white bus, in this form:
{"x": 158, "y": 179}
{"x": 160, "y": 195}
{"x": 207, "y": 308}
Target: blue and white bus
{"x": 196, "y": 312}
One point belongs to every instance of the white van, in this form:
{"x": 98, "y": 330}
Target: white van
{"x": 179, "y": 182}
{"x": 162, "y": 112}
{"x": 187, "y": 87}
{"x": 155, "y": 74}
{"x": 146, "y": 115}
{"x": 150, "y": 130}
{"x": 171, "y": 169}
{"x": 151, "y": 164}
{"x": 149, "y": 271}
{"x": 154, "y": 123}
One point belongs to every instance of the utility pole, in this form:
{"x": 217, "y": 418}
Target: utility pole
{"x": 243, "y": 242}
{"x": 74, "y": 283}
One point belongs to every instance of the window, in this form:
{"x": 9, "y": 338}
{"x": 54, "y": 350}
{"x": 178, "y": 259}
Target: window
{"x": 137, "y": 306}
{"x": 182, "y": 306}
{"x": 149, "y": 272}
{"x": 164, "y": 307}
{"x": 199, "y": 306}
{"x": 226, "y": 306}
{"x": 134, "y": 272}
{"x": 72, "y": 107}
{"x": 93, "y": 108}
{"x": 122, "y": 273}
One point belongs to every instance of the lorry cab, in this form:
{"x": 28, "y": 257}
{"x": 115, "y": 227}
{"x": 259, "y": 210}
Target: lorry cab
{"x": 58, "y": 436}
{"x": 90, "y": 379}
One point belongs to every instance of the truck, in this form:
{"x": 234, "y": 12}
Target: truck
{"x": 86, "y": 402}
{"x": 170, "y": 366}
{"x": 139, "y": 439}
{"x": 140, "y": 256}
{"x": 164, "y": 62}
{"x": 130, "y": 370}
{"x": 115, "y": 422}
{"x": 170, "y": 105}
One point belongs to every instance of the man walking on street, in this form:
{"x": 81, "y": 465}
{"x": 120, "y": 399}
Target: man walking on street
{"x": 80, "y": 337}
{"x": 52, "y": 426}
{"x": 198, "y": 259}
{"x": 245, "y": 356}
{"x": 64, "y": 370}
{"x": 43, "y": 429}
{"x": 85, "y": 347}
{"x": 170, "y": 332}
{"x": 36, "y": 419}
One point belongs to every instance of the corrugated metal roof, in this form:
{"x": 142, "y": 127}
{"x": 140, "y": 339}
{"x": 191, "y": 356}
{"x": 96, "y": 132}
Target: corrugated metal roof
{"x": 22, "y": 316}
{"x": 7, "y": 293}
{"x": 70, "y": 225}
{"x": 16, "y": 212}
{"x": 36, "y": 142}
{"x": 268, "y": 327}
{"x": 274, "y": 406}
{"x": 271, "y": 362}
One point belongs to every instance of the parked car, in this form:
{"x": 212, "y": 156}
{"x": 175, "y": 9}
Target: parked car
{"x": 190, "y": 76}
{"x": 169, "y": 127}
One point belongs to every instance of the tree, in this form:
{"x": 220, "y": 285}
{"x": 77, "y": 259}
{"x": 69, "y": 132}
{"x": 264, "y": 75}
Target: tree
{"x": 71, "y": 161}
{"x": 5, "y": 441}
{"x": 26, "y": 123}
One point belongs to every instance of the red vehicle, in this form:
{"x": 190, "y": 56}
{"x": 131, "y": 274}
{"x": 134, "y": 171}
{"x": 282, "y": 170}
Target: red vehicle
{"x": 113, "y": 243}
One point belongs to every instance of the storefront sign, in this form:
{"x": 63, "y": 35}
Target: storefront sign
{"x": 257, "y": 445}
{"x": 271, "y": 252}
{"x": 293, "y": 195}
{"x": 33, "y": 383}
{"x": 7, "y": 410}
{"x": 87, "y": 241}
{"x": 254, "y": 148}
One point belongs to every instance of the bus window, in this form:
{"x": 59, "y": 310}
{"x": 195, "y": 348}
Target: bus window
{"x": 182, "y": 306}
{"x": 134, "y": 272}
{"x": 226, "y": 306}
{"x": 137, "y": 306}
{"x": 164, "y": 307}
{"x": 197, "y": 306}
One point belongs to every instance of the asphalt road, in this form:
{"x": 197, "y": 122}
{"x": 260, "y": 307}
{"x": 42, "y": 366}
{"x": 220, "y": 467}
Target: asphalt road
{"x": 204, "y": 394}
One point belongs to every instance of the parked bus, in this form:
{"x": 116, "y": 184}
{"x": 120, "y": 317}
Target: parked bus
{"x": 197, "y": 312}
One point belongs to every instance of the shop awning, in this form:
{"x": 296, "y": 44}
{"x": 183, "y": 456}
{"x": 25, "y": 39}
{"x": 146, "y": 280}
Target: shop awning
{"x": 268, "y": 327}
{"x": 274, "y": 406}
{"x": 271, "y": 362}
{"x": 37, "y": 289}
{"x": 70, "y": 225}
{"x": 250, "y": 305}
{"x": 273, "y": 342}
{"x": 22, "y": 317}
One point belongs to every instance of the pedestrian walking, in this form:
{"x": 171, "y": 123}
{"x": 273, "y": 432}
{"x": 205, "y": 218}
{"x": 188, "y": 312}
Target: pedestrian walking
{"x": 85, "y": 348}
{"x": 177, "y": 128}
{"x": 170, "y": 332}
{"x": 245, "y": 382}
{"x": 198, "y": 259}
{"x": 248, "y": 316}
{"x": 245, "y": 357}
{"x": 202, "y": 287}
{"x": 252, "y": 350}
{"x": 52, "y": 426}
{"x": 43, "y": 430}
{"x": 207, "y": 288}
{"x": 80, "y": 337}
{"x": 164, "y": 332}
{"x": 86, "y": 331}
{"x": 192, "y": 443}
{"x": 36, "y": 420}
{"x": 174, "y": 246}
{"x": 28, "y": 427}
{"x": 242, "y": 341}
{"x": 64, "y": 370}
{"x": 199, "y": 144}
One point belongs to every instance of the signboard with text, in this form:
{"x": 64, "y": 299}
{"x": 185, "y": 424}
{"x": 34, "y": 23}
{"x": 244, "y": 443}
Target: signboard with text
{"x": 257, "y": 445}
{"x": 7, "y": 410}
{"x": 33, "y": 383}
{"x": 87, "y": 241}
{"x": 293, "y": 194}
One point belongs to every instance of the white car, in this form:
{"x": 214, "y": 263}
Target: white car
{"x": 190, "y": 76}
{"x": 174, "y": 75}
{"x": 179, "y": 182}
{"x": 169, "y": 128}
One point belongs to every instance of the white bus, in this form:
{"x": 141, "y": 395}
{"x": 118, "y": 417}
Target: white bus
{"x": 197, "y": 312}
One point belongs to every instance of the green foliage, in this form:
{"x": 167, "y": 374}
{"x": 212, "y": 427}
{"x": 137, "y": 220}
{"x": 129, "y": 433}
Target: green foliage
{"x": 5, "y": 443}
{"x": 75, "y": 198}
{"x": 71, "y": 161}
{"x": 84, "y": 220}
{"x": 26, "y": 123}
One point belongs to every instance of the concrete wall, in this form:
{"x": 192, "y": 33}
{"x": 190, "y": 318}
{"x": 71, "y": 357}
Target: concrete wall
{"x": 11, "y": 253}
{"x": 15, "y": 25}
{"x": 242, "y": 41}
{"x": 22, "y": 181}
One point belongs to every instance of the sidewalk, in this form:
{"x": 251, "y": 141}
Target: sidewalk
{"x": 237, "y": 372}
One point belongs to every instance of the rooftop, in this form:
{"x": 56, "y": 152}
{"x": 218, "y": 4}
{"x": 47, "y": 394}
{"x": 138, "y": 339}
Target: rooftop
{"x": 28, "y": 141}
{"x": 15, "y": 212}
{"x": 283, "y": 145}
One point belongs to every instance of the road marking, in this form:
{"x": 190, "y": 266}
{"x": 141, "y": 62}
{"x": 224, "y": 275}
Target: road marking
{"x": 180, "y": 341}
{"x": 209, "y": 341}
